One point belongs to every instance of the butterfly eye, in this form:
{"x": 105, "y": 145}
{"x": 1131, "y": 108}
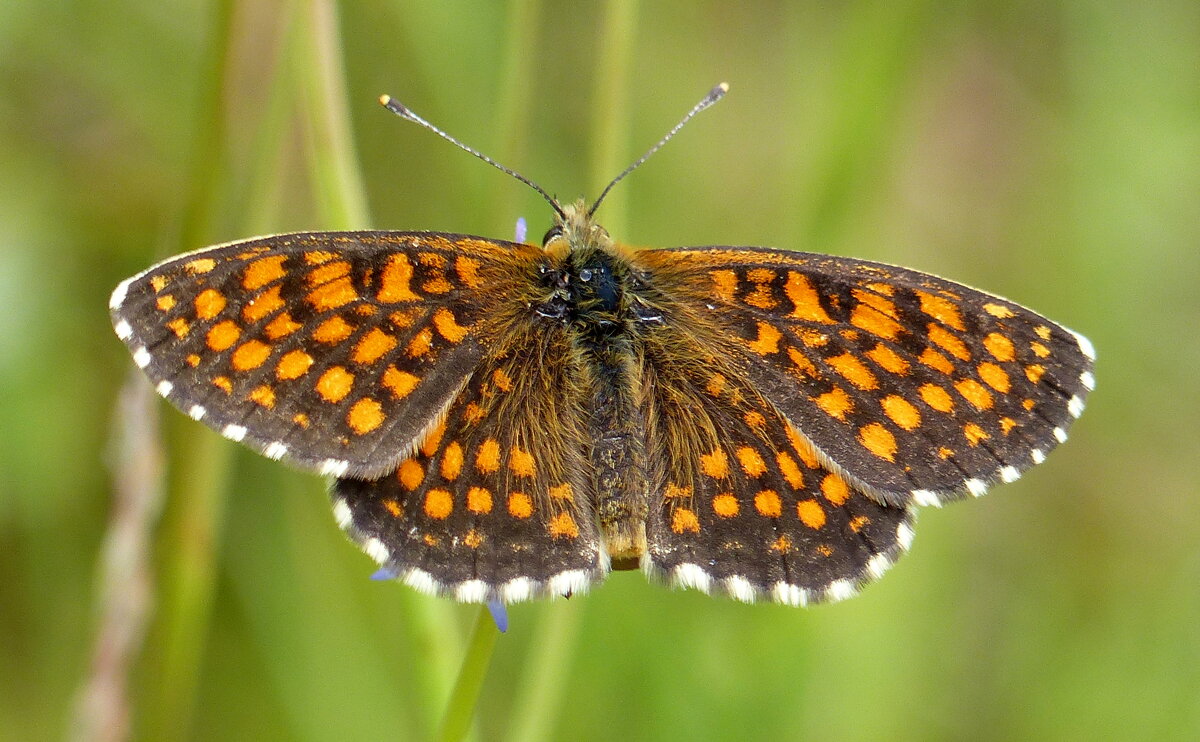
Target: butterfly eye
{"x": 555, "y": 231}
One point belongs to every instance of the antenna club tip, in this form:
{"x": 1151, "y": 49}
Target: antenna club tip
{"x": 723, "y": 88}
{"x": 384, "y": 100}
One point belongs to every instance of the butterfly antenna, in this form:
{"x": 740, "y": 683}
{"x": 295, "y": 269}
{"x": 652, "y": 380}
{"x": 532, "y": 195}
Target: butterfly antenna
{"x": 405, "y": 112}
{"x": 713, "y": 96}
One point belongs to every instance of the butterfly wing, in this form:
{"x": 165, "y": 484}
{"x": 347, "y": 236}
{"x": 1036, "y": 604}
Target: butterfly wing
{"x": 741, "y": 503}
{"x": 334, "y": 351}
{"x": 494, "y": 504}
{"x": 915, "y": 388}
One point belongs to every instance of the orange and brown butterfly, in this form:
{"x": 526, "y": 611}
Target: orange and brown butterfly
{"x": 508, "y": 421}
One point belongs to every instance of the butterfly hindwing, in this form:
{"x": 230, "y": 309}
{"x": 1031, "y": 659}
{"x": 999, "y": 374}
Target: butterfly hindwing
{"x": 916, "y": 388}
{"x": 330, "y": 350}
{"x": 740, "y": 502}
{"x": 495, "y": 502}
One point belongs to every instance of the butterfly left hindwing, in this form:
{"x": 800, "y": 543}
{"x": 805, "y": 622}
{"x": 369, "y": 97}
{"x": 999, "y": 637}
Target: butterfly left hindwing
{"x": 495, "y": 504}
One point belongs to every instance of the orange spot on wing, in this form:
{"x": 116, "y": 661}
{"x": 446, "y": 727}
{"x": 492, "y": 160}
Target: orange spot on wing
{"x": 752, "y": 463}
{"x": 936, "y": 397}
{"x": 479, "y": 500}
{"x": 805, "y": 301}
{"x": 835, "y": 489}
{"x": 158, "y": 283}
{"x": 767, "y": 342}
{"x": 998, "y": 310}
{"x": 317, "y": 257}
{"x": 875, "y": 314}
{"x": 519, "y": 505}
{"x": 293, "y": 365}
{"x": 399, "y": 383}
{"x": 448, "y": 327}
{"x": 936, "y": 361}
{"x": 438, "y": 285}
{"x": 755, "y": 421}
{"x": 684, "y": 520}
{"x": 562, "y": 492}
{"x": 901, "y": 411}
{"x": 1007, "y": 424}
{"x": 223, "y": 335}
{"x": 467, "y": 270}
{"x": 410, "y": 474}
{"x": 768, "y": 504}
{"x": 365, "y": 415}
{"x": 802, "y": 447}
{"x": 373, "y": 346}
{"x": 165, "y": 303}
{"x": 263, "y": 395}
{"x": 888, "y": 359}
{"x": 421, "y": 343}
{"x": 394, "y": 508}
{"x": 250, "y": 355}
{"x": 674, "y": 491}
{"x": 200, "y": 265}
{"x": 452, "y": 461}
{"x": 438, "y": 504}
{"x": 329, "y": 296}
{"x": 715, "y": 385}
{"x": 1039, "y": 350}
{"x": 263, "y": 271}
{"x": 209, "y": 303}
{"x": 333, "y": 330}
{"x": 724, "y": 284}
{"x": 300, "y": 419}
{"x": 1034, "y": 372}
{"x": 1000, "y": 347}
{"x": 878, "y": 440}
{"x": 715, "y": 464}
{"x": 487, "y": 459}
{"x": 836, "y": 403}
{"x": 395, "y": 281}
{"x": 941, "y": 309}
{"x": 193, "y": 360}
{"x": 179, "y": 326}
{"x": 281, "y": 326}
{"x": 433, "y": 440}
{"x": 803, "y": 365}
{"x": 520, "y": 462}
{"x": 949, "y": 342}
{"x": 783, "y": 544}
{"x": 335, "y": 384}
{"x": 994, "y": 376}
{"x": 853, "y": 371}
{"x": 975, "y": 393}
{"x": 974, "y": 434}
{"x": 725, "y": 505}
{"x": 328, "y": 272}
{"x": 563, "y": 526}
{"x": 811, "y": 513}
{"x": 223, "y": 383}
{"x": 859, "y": 522}
{"x": 266, "y": 303}
{"x": 473, "y": 413}
{"x": 790, "y": 470}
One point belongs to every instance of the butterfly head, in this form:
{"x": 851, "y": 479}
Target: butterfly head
{"x": 575, "y": 230}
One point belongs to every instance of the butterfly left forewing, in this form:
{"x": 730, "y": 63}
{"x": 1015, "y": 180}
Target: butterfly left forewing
{"x": 332, "y": 350}
{"x": 916, "y": 388}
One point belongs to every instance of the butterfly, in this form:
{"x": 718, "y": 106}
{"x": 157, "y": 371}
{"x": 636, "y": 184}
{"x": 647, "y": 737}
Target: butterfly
{"x": 506, "y": 421}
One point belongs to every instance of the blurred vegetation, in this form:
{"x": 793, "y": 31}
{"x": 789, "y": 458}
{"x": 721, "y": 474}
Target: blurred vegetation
{"x": 1046, "y": 151}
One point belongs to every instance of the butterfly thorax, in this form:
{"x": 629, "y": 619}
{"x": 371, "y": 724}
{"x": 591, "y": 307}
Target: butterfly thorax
{"x": 593, "y": 299}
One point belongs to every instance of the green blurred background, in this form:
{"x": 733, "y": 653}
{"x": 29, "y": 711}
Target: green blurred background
{"x": 1046, "y": 151}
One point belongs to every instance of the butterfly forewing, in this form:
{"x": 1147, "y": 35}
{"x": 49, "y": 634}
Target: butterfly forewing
{"x": 741, "y": 503}
{"x": 916, "y": 388}
{"x": 495, "y": 502}
{"x": 334, "y": 351}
